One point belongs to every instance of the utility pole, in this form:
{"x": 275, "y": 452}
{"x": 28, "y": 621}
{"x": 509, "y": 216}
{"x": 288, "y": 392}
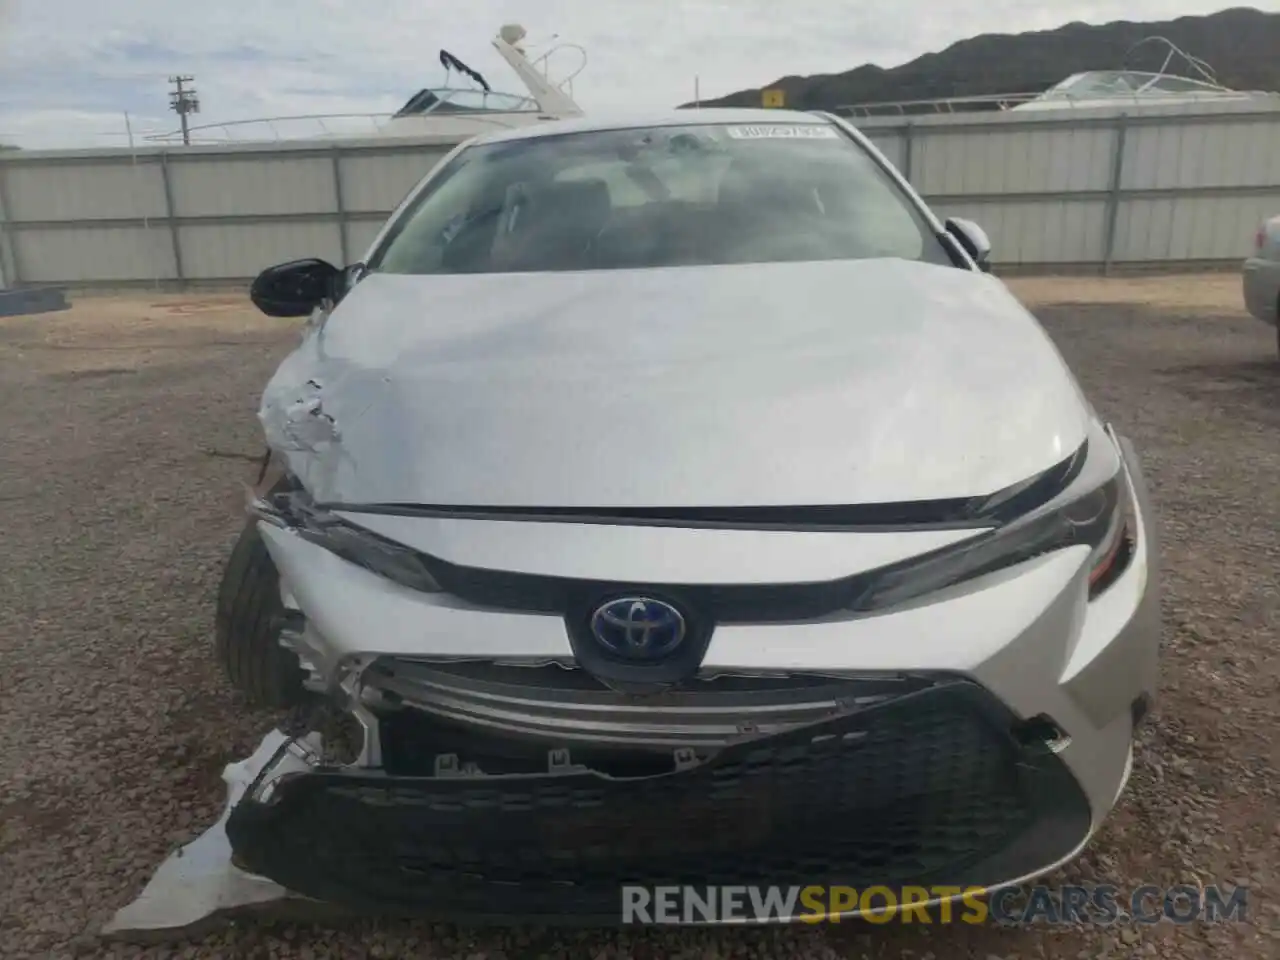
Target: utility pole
{"x": 183, "y": 102}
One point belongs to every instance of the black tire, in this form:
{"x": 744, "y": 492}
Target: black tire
{"x": 248, "y": 622}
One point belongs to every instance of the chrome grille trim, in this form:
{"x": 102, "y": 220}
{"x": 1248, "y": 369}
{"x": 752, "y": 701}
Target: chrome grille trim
{"x": 564, "y": 705}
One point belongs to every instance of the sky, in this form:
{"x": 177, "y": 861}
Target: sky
{"x": 70, "y": 70}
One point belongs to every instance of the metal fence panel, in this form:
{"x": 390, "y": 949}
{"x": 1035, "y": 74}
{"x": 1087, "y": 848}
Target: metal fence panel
{"x": 114, "y": 188}
{"x": 1057, "y": 232}
{"x": 1037, "y": 160}
{"x": 379, "y": 182}
{"x": 229, "y": 250}
{"x": 1181, "y": 229}
{"x": 1202, "y": 155}
{"x": 96, "y": 255}
{"x": 257, "y": 186}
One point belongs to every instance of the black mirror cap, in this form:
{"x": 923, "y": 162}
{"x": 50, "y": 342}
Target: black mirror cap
{"x": 295, "y": 288}
{"x": 974, "y": 240}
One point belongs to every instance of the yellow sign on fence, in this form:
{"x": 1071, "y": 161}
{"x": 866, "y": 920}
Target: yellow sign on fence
{"x": 773, "y": 98}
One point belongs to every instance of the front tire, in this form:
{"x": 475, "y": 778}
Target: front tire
{"x": 249, "y": 618}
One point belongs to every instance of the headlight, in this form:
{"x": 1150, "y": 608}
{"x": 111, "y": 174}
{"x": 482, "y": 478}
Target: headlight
{"x": 1094, "y": 511}
{"x": 293, "y": 510}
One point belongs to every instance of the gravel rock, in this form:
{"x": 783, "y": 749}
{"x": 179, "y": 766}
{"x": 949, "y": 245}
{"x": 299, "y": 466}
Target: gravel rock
{"x": 128, "y": 426}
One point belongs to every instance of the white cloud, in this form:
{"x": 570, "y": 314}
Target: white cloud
{"x": 70, "y": 69}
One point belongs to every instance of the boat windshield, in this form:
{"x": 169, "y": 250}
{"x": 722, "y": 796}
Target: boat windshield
{"x": 1100, "y": 84}
{"x": 465, "y": 100}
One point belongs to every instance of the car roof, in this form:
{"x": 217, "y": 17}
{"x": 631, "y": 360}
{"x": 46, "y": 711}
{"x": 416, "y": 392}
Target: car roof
{"x": 666, "y": 118}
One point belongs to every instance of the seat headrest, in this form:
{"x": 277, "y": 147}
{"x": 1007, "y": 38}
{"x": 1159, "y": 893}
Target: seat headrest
{"x": 587, "y": 198}
{"x": 749, "y": 187}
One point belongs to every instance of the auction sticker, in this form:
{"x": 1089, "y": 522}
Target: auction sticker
{"x": 783, "y": 131}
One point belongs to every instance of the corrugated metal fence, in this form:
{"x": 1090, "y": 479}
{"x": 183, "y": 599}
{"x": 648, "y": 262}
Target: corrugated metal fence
{"x": 1069, "y": 191}
{"x": 1094, "y": 190}
{"x": 200, "y": 214}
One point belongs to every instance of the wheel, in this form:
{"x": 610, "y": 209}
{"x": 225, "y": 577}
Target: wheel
{"x": 248, "y": 622}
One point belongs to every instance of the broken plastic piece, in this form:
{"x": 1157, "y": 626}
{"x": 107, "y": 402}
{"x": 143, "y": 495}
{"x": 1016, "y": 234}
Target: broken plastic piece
{"x": 198, "y": 881}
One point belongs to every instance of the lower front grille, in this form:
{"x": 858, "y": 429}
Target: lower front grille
{"x": 929, "y": 788}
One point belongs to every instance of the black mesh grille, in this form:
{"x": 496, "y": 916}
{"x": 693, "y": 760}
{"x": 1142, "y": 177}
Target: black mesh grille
{"x": 927, "y": 789}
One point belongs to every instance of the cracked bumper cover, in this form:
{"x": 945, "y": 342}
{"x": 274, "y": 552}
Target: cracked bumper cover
{"x": 929, "y": 788}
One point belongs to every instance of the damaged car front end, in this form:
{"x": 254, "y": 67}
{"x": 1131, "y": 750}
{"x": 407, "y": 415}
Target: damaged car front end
{"x": 499, "y": 779}
{"x": 687, "y": 573}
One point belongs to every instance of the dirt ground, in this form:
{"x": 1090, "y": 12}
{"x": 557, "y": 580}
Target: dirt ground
{"x": 127, "y": 427}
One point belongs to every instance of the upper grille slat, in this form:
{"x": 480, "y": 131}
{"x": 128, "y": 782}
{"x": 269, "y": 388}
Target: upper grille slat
{"x": 565, "y": 706}
{"x": 729, "y": 602}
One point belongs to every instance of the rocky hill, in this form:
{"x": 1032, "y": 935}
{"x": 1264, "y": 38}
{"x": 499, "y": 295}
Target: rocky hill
{"x": 1241, "y": 44}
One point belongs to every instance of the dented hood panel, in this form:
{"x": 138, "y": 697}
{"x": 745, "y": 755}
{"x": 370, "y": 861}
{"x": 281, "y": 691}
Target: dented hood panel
{"x": 764, "y": 384}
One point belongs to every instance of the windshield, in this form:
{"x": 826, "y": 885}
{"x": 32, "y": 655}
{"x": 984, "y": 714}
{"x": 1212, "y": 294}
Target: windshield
{"x": 452, "y": 100}
{"x": 1101, "y": 83}
{"x": 1104, "y": 83}
{"x": 658, "y": 197}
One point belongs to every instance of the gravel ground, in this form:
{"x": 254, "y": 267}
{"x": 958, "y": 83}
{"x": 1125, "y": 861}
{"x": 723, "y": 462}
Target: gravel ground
{"x": 127, "y": 427}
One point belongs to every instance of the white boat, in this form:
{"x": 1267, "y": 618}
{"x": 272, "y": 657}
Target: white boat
{"x": 1128, "y": 89}
{"x": 1137, "y": 88}
{"x": 455, "y": 110}
{"x": 476, "y": 109}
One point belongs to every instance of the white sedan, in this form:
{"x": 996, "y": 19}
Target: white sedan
{"x": 1262, "y": 276}
{"x": 681, "y": 501}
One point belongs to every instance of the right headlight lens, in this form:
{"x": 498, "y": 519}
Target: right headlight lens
{"x": 1094, "y": 511}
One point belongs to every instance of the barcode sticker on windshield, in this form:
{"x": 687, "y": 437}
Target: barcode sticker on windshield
{"x": 789, "y": 131}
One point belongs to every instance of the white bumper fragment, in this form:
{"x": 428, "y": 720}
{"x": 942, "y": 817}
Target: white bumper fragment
{"x": 198, "y": 881}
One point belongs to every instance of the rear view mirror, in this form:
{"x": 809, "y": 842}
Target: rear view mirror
{"x": 296, "y": 288}
{"x": 974, "y": 240}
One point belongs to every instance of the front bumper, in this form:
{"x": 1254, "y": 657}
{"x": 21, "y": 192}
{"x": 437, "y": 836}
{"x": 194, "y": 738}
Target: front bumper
{"x": 980, "y": 737}
{"x": 931, "y": 789}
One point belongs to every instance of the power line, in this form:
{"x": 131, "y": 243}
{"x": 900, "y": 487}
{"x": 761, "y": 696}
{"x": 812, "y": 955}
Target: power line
{"x": 183, "y": 101}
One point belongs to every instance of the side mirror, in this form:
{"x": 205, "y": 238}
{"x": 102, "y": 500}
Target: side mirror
{"x": 974, "y": 240}
{"x": 296, "y": 288}
{"x": 348, "y": 277}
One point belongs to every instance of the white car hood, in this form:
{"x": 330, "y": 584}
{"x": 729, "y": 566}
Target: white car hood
{"x": 839, "y": 382}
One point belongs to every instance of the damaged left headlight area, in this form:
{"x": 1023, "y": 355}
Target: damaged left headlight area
{"x": 281, "y": 502}
{"x": 294, "y": 510}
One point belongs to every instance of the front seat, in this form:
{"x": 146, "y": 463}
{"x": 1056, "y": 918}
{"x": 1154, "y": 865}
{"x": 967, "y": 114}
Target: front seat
{"x": 556, "y": 226}
{"x": 766, "y": 195}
